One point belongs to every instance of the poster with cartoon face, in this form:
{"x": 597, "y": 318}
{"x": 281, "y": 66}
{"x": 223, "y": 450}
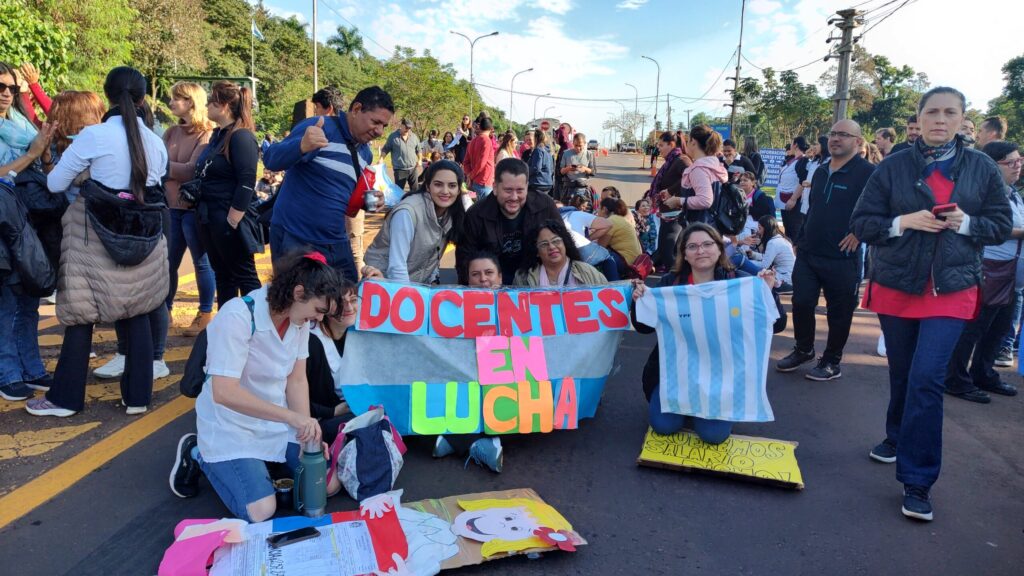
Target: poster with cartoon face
{"x": 487, "y": 524}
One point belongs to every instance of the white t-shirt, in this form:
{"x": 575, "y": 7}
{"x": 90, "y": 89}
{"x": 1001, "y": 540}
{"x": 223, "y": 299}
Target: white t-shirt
{"x": 578, "y": 223}
{"x": 714, "y": 340}
{"x": 262, "y": 362}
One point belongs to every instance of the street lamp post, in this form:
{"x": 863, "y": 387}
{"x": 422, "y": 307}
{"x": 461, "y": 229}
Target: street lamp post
{"x": 545, "y": 114}
{"x": 511, "y": 87}
{"x": 636, "y": 104}
{"x": 472, "y": 44}
{"x": 535, "y": 104}
{"x": 657, "y": 90}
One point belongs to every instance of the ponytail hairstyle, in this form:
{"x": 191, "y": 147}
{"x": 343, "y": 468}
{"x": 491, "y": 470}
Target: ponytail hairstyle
{"x": 239, "y": 102}
{"x": 125, "y": 88}
{"x": 615, "y": 206}
{"x": 308, "y": 269}
{"x": 709, "y": 141}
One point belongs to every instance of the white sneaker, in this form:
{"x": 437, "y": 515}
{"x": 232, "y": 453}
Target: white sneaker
{"x": 112, "y": 369}
{"x": 881, "y": 346}
{"x": 136, "y": 410}
{"x": 160, "y": 370}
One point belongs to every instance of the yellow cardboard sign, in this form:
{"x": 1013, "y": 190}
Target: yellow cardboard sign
{"x": 744, "y": 457}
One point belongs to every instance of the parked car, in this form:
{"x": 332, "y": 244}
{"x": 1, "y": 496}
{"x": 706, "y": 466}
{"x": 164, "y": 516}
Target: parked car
{"x": 592, "y": 145}
{"x": 629, "y": 147}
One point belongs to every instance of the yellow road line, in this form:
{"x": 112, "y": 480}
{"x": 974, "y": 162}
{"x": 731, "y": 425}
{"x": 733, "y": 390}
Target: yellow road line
{"x": 25, "y": 498}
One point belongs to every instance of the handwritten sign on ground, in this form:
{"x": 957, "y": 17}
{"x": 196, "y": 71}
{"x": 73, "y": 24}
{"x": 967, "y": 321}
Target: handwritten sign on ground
{"x": 743, "y": 457}
{"x": 464, "y": 361}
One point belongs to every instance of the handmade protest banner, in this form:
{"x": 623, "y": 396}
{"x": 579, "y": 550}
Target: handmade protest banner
{"x": 714, "y": 340}
{"x": 744, "y": 457}
{"x": 451, "y": 360}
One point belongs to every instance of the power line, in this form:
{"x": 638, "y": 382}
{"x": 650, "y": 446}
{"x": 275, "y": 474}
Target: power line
{"x": 886, "y": 17}
{"x": 713, "y": 84}
{"x": 355, "y": 28}
{"x": 576, "y": 99}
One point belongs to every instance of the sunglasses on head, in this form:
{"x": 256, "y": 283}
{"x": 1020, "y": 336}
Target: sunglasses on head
{"x": 12, "y": 87}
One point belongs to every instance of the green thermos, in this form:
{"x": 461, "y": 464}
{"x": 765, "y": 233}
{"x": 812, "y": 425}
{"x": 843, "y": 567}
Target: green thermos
{"x": 310, "y": 491}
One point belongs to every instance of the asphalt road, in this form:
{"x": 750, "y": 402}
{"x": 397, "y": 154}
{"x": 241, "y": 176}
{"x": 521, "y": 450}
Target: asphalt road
{"x": 119, "y": 519}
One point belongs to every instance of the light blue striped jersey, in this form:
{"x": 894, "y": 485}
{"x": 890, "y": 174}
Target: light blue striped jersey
{"x": 715, "y": 339}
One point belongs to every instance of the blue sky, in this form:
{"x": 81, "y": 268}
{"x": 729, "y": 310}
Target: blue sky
{"x": 591, "y": 48}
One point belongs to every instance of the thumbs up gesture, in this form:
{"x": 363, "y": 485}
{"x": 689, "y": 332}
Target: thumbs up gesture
{"x": 314, "y": 138}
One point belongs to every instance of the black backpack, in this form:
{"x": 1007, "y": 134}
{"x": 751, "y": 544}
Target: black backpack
{"x": 728, "y": 212}
{"x": 192, "y": 380}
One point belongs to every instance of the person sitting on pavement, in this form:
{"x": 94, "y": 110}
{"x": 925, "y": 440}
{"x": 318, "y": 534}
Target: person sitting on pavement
{"x": 414, "y": 235}
{"x": 613, "y": 192}
{"x": 127, "y": 162}
{"x": 646, "y": 226}
{"x": 983, "y": 336}
{"x": 760, "y": 203}
{"x": 323, "y": 366}
{"x": 497, "y": 224}
{"x": 923, "y": 300}
{"x": 577, "y": 165}
{"x": 587, "y": 229}
{"x": 772, "y": 250}
{"x": 621, "y": 238}
{"x": 255, "y": 404}
{"x": 550, "y": 258}
{"x": 314, "y": 198}
{"x": 541, "y": 164}
{"x": 483, "y": 271}
{"x": 700, "y": 258}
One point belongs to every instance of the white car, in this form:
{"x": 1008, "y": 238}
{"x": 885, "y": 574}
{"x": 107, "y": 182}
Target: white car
{"x": 592, "y": 145}
{"x": 630, "y": 147}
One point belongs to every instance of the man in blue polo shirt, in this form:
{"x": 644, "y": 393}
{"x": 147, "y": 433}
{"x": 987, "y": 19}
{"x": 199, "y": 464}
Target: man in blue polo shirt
{"x": 828, "y": 256}
{"x": 321, "y": 175}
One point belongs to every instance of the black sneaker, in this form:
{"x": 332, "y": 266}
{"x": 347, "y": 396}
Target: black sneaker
{"x": 884, "y": 452}
{"x": 185, "y": 474}
{"x": 15, "y": 391}
{"x": 824, "y": 371}
{"x": 1005, "y": 358}
{"x": 915, "y": 503}
{"x": 795, "y": 359}
{"x": 42, "y": 384}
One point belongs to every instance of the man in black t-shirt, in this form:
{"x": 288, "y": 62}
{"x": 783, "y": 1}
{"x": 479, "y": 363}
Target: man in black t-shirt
{"x": 498, "y": 223}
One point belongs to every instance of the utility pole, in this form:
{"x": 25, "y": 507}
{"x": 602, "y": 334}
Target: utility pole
{"x": 316, "y": 68}
{"x": 736, "y": 80}
{"x": 688, "y": 119}
{"x": 849, "y": 20}
{"x": 668, "y": 112}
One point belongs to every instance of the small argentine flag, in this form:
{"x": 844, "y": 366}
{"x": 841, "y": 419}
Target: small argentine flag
{"x": 256, "y": 32}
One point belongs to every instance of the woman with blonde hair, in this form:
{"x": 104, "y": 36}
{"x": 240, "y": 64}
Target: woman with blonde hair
{"x": 507, "y": 149}
{"x": 185, "y": 142}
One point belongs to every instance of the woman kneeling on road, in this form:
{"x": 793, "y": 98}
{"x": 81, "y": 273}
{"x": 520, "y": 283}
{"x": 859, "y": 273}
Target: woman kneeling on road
{"x": 255, "y": 405}
{"x": 700, "y": 258}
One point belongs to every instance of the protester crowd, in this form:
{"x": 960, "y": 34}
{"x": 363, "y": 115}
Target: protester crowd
{"x": 101, "y": 209}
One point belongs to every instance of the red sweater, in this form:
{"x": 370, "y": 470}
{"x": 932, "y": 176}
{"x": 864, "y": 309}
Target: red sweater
{"x": 41, "y": 98}
{"x": 962, "y": 305}
{"x": 479, "y": 162}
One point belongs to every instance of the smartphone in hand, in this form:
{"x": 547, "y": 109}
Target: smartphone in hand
{"x": 942, "y": 208}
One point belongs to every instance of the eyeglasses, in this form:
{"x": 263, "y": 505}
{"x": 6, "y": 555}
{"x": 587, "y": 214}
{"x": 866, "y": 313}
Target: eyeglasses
{"x": 702, "y": 247}
{"x": 835, "y": 134}
{"x": 553, "y": 243}
{"x": 1016, "y": 163}
{"x": 12, "y": 87}
{"x": 348, "y": 302}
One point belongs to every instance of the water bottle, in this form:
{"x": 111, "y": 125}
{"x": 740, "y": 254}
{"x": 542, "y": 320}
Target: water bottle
{"x": 370, "y": 201}
{"x": 310, "y": 491}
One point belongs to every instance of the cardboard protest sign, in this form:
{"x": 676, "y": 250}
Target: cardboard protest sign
{"x": 529, "y": 510}
{"x": 743, "y": 457}
{"x": 464, "y": 361}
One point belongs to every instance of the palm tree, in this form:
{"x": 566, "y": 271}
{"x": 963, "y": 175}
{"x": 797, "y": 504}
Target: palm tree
{"x": 347, "y": 42}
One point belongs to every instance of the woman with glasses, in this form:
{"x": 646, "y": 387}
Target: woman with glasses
{"x": 255, "y": 405}
{"x": 927, "y": 214}
{"x": 227, "y": 171}
{"x": 700, "y": 258}
{"x": 21, "y": 146}
{"x": 323, "y": 367}
{"x": 983, "y": 337}
{"x": 550, "y": 258}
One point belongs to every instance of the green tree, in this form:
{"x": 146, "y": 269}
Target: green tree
{"x": 347, "y": 42}
{"x": 28, "y": 36}
{"x": 102, "y": 31}
{"x": 169, "y": 38}
{"x": 1010, "y": 103}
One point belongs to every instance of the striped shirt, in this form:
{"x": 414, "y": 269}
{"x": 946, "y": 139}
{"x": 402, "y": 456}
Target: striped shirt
{"x": 314, "y": 196}
{"x": 715, "y": 339}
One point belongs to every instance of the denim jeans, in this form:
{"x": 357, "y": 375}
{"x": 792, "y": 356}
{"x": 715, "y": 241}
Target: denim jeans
{"x": 979, "y": 345}
{"x": 245, "y": 480}
{"x": 919, "y": 352}
{"x": 710, "y": 431}
{"x": 1012, "y": 339}
{"x": 184, "y": 233}
{"x": 339, "y": 255}
{"x": 19, "y": 338}
{"x": 599, "y": 257}
{"x": 481, "y": 191}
